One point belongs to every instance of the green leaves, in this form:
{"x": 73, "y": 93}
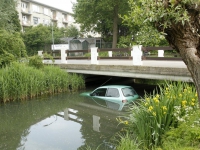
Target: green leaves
{"x": 20, "y": 81}
{"x": 8, "y": 16}
{"x": 71, "y": 31}
{"x": 36, "y": 37}
{"x": 160, "y": 112}
{"x": 98, "y": 15}
{"x": 11, "y": 47}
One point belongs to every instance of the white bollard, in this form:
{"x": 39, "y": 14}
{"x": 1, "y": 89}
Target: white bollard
{"x": 40, "y": 53}
{"x": 94, "y": 55}
{"x": 160, "y": 53}
{"x": 63, "y": 56}
{"x": 110, "y": 53}
{"x": 66, "y": 114}
{"x": 136, "y": 53}
{"x": 96, "y": 124}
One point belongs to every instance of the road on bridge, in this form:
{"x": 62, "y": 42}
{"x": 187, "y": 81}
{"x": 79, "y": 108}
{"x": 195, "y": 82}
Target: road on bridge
{"x": 150, "y": 63}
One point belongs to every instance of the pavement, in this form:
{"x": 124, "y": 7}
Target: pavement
{"x": 153, "y": 63}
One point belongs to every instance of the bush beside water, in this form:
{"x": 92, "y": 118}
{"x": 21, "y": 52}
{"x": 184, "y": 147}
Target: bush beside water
{"x": 166, "y": 120}
{"x": 20, "y": 81}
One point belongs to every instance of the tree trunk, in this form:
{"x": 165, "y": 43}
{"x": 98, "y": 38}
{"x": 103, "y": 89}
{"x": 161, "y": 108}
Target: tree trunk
{"x": 115, "y": 27}
{"x": 184, "y": 39}
{"x": 193, "y": 64}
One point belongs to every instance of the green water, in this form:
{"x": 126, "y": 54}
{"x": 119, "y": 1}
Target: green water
{"x": 60, "y": 122}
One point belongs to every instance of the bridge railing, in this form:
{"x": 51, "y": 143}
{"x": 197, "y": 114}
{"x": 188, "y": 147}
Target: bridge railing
{"x": 117, "y": 53}
{"x": 148, "y": 55}
{"x": 136, "y": 54}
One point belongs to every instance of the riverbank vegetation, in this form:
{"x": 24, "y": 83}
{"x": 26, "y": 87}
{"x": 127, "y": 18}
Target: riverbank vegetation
{"x": 168, "y": 119}
{"x": 19, "y": 81}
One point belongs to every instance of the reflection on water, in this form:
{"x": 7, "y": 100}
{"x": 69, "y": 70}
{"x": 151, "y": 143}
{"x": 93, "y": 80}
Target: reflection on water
{"x": 64, "y": 121}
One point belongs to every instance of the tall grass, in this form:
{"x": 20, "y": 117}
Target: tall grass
{"x": 20, "y": 81}
{"x": 157, "y": 113}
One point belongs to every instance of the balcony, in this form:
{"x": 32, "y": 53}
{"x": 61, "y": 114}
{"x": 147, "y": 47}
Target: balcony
{"x": 54, "y": 18}
{"x": 65, "y": 21}
{"x": 26, "y": 11}
{"x": 26, "y": 23}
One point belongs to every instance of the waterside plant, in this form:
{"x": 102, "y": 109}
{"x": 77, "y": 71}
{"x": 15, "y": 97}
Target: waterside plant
{"x": 157, "y": 119}
{"x": 20, "y": 81}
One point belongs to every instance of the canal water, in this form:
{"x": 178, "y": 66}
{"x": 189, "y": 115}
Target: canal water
{"x": 59, "y": 122}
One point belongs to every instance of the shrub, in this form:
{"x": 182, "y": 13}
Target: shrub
{"x": 185, "y": 136}
{"x": 157, "y": 113}
{"x": 6, "y": 59}
{"x": 127, "y": 142}
{"x": 11, "y": 47}
{"x": 36, "y": 61}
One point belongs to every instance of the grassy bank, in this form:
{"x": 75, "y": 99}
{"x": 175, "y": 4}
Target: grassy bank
{"x": 164, "y": 121}
{"x": 20, "y": 81}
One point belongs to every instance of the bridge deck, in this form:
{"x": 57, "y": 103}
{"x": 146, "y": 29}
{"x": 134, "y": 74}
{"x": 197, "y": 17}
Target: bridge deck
{"x": 150, "y": 63}
{"x": 162, "y": 70}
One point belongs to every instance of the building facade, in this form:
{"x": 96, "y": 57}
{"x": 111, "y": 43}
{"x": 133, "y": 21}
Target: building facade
{"x": 32, "y": 13}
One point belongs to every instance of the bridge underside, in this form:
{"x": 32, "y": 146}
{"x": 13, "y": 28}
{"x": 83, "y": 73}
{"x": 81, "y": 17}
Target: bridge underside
{"x": 141, "y": 72}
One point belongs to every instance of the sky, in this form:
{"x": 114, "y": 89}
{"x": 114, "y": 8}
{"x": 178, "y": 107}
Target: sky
{"x": 65, "y": 5}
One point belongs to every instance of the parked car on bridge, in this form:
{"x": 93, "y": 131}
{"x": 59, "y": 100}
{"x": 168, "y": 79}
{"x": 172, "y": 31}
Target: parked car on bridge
{"x": 113, "y": 96}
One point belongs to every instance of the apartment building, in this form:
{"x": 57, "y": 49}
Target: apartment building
{"x": 32, "y": 13}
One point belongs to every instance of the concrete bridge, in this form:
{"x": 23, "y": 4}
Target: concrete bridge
{"x": 134, "y": 66}
{"x": 161, "y": 70}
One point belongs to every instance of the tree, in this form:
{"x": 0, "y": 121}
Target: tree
{"x": 35, "y": 38}
{"x": 71, "y": 31}
{"x": 14, "y": 20}
{"x": 11, "y": 47}
{"x": 9, "y": 19}
{"x": 179, "y": 22}
{"x": 101, "y": 16}
{"x": 40, "y": 38}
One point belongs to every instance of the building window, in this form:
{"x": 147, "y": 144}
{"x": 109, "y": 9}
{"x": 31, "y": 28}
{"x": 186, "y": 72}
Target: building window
{"x": 46, "y": 22}
{"x": 46, "y": 12}
{"x": 24, "y": 18}
{"x": 23, "y": 5}
{"x": 36, "y": 8}
{"x": 36, "y": 20}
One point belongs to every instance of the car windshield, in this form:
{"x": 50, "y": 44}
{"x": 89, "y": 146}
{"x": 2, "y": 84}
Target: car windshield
{"x": 128, "y": 91}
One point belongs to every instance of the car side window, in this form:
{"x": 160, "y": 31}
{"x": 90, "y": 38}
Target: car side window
{"x": 112, "y": 92}
{"x": 128, "y": 92}
{"x": 99, "y": 92}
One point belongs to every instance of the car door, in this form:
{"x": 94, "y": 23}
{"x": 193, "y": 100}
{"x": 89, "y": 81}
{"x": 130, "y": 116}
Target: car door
{"x": 112, "y": 99}
{"x": 98, "y": 96}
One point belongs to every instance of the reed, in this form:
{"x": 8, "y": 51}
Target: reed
{"x": 20, "y": 81}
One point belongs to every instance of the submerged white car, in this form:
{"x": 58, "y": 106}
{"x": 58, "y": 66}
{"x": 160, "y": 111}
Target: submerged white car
{"x": 113, "y": 96}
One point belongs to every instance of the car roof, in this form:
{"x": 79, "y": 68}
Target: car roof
{"x": 114, "y": 86}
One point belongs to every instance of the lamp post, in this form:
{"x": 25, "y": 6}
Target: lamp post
{"x": 51, "y": 27}
{"x": 52, "y": 33}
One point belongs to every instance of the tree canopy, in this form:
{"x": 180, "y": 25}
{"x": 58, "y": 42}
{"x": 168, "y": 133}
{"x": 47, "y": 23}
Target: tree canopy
{"x": 35, "y": 38}
{"x": 9, "y": 19}
{"x": 71, "y": 31}
{"x": 11, "y": 47}
{"x": 11, "y": 44}
{"x": 102, "y": 17}
{"x": 179, "y": 22}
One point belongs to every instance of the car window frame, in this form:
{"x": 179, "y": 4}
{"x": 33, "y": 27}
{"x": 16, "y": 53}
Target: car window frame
{"x": 113, "y": 96}
{"x": 92, "y": 94}
{"x": 134, "y": 92}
